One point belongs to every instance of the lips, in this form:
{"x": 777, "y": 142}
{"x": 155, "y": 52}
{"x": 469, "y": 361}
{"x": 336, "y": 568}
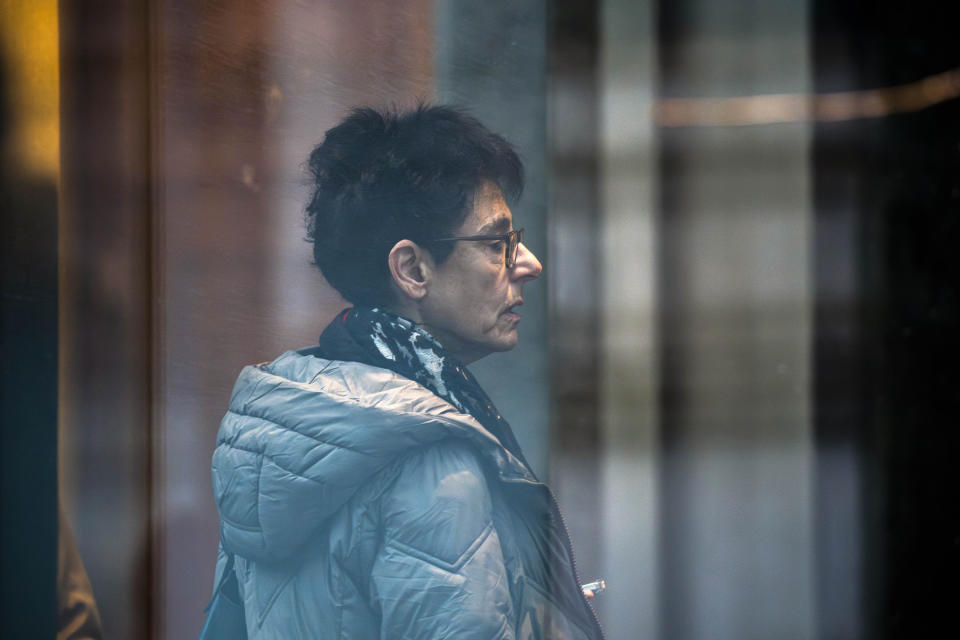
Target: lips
{"x": 511, "y": 310}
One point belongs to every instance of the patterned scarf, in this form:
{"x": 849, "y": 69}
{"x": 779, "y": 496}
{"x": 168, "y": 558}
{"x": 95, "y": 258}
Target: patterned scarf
{"x": 386, "y": 340}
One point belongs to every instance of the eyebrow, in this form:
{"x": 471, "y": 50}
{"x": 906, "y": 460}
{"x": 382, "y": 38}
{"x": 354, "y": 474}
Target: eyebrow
{"x": 500, "y": 225}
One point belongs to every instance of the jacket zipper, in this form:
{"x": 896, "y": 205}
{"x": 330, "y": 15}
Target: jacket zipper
{"x": 573, "y": 559}
{"x": 567, "y": 543}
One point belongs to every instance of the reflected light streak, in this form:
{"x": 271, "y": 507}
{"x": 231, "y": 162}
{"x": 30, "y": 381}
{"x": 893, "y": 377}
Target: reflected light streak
{"x": 804, "y": 107}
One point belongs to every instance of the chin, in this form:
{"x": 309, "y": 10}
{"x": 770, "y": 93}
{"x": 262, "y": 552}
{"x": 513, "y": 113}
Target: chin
{"x": 473, "y": 350}
{"x": 509, "y": 342}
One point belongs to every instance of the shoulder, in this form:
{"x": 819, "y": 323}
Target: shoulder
{"x": 356, "y": 406}
{"x": 439, "y": 501}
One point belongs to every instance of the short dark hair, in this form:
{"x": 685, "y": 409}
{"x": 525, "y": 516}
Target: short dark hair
{"x": 383, "y": 176}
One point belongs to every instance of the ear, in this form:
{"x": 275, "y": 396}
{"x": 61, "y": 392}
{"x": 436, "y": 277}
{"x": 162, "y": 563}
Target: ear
{"x": 411, "y": 268}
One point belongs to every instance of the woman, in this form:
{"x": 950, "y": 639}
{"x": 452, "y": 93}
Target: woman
{"x": 367, "y": 487}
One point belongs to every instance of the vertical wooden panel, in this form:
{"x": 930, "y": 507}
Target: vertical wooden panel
{"x": 106, "y": 301}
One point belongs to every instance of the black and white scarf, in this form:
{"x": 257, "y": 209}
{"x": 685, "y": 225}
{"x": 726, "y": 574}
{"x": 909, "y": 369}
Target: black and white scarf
{"x": 383, "y": 339}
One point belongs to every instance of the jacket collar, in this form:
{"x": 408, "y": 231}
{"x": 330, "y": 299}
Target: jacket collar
{"x": 381, "y": 338}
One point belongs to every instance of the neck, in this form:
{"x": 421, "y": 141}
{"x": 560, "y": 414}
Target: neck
{"x": 409, "y": 311}
{"x": 462, "y": 351}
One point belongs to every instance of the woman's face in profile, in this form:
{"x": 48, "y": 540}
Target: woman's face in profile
{"x": 472, "y": 303}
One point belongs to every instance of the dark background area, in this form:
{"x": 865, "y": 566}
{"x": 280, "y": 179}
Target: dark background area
{"x": 28, "y": 394}
{"x": 886, "y": 363}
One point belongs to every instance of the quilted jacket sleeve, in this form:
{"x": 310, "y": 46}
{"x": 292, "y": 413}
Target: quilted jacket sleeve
{"x": 440, "y": 571}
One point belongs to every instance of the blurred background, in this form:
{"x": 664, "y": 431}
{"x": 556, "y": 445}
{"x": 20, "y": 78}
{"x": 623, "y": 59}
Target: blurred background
{"x": 738, "y": 371}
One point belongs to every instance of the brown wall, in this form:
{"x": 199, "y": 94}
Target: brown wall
{"x": 185, "y": 127}
{"x": 246, "y": 91}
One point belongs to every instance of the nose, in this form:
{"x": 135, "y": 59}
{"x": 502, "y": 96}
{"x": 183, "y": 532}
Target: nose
{"x": 527, "y": 266}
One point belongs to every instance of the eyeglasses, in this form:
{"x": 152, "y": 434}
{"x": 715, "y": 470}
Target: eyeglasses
{"x": 510, "y": 240}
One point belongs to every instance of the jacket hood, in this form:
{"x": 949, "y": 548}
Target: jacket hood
{"x": 303, "y": 434}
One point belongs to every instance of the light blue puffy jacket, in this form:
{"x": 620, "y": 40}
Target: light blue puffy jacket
{"x": 361, "y": 505}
